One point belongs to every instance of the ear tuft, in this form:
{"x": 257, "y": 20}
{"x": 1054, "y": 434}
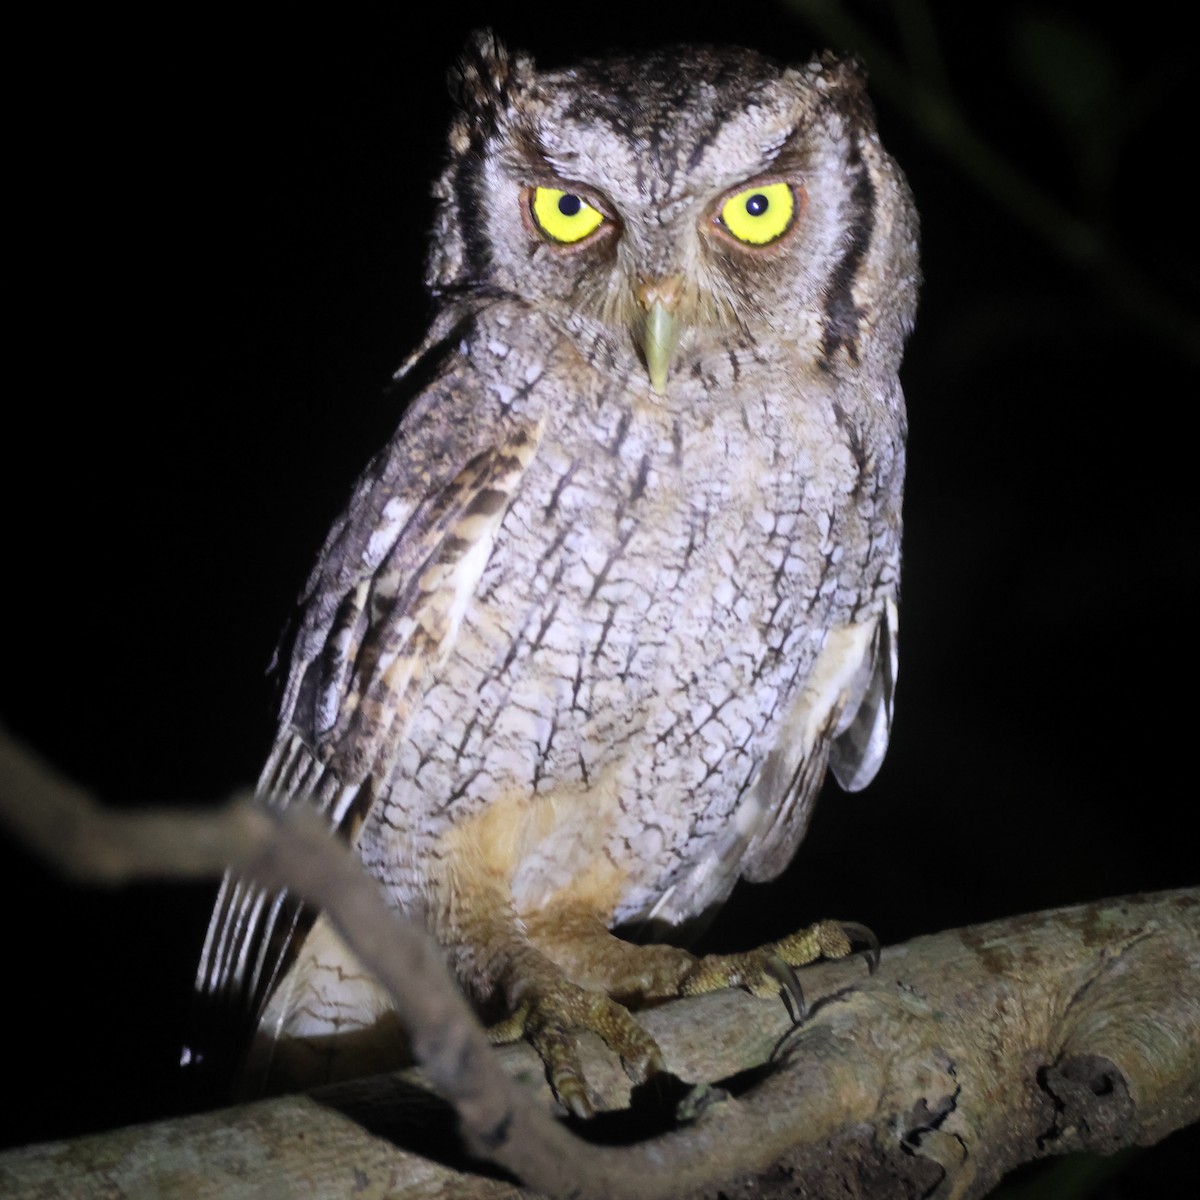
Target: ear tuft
{"x": 486, "y": 77}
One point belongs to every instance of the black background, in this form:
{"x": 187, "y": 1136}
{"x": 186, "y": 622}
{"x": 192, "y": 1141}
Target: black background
{"x": 219, "y": 250}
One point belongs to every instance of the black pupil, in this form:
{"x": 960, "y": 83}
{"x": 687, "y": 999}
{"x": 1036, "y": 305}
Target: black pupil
{"x": 756, "y": 205}
{"x": 569, "y": 205}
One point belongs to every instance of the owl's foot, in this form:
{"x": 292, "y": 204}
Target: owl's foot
{"x": 770, "y": 969}
{"x": 550, "y": 1016}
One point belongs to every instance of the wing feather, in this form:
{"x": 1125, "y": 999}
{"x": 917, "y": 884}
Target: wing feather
{"x": 842, "y": 717}
{"x": 386, "y": 601}
{"x": 861, "y": 740}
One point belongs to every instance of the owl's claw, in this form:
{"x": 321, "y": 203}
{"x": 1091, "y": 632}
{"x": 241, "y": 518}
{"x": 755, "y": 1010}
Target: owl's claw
{"x": 860, "y": 933}
{"x": 550, "y": 1011}
{"x": 789, "y": 986}
{"x": 550, "y": 1021}
{"x": 770, "y": 969}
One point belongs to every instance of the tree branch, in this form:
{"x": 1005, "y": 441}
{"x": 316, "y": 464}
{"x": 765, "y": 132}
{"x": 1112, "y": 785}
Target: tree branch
{"x": 965, "y": 1054}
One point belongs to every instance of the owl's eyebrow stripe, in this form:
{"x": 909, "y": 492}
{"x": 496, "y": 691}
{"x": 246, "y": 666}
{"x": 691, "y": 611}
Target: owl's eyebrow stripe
{"x": 841, "y": 316}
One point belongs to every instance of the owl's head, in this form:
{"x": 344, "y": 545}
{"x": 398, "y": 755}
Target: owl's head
{"x": 676, "y": 203}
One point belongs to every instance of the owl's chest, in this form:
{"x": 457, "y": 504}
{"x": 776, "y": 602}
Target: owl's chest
{"x": 652, "y": 597}
{"x": 637, "y": 532}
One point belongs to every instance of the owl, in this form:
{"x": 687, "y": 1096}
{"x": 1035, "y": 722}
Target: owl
{"x": 623, "y": 584}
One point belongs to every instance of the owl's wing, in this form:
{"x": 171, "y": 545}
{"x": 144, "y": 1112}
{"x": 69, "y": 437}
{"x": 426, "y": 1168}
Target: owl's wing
{"x": 861, "y": 739}
{"x": 385, "y": 601}
{"x": 842, "y": 718}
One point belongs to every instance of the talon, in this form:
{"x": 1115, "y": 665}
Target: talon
{"x": 789, "y": 986}
{"x": 770, "y": 968}
{"x": 549, "y": 1019}
{"x": 547, "y": 1032}
{"x": 860, "y": 933}
{"x": 573, "y": 1097}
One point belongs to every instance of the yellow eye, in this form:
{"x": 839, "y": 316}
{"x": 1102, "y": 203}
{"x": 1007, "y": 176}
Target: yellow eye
{"x": 563, "y": 216}
{"x": 761, "y": 214}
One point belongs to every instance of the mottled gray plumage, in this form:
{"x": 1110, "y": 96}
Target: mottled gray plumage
{"x": 624, "y": 582}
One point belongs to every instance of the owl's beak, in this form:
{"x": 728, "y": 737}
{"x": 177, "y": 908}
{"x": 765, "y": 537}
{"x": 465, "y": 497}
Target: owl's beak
{"x": 659, "y": 329}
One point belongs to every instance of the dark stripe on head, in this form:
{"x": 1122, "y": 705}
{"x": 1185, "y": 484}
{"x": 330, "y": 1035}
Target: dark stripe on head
{"x": 482, "y": 84}
{"x": 840, "y": 324}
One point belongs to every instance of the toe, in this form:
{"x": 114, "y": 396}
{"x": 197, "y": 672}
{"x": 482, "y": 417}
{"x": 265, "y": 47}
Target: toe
{"x": 552, "y": 1019}
{"x": 770, "y": 969}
